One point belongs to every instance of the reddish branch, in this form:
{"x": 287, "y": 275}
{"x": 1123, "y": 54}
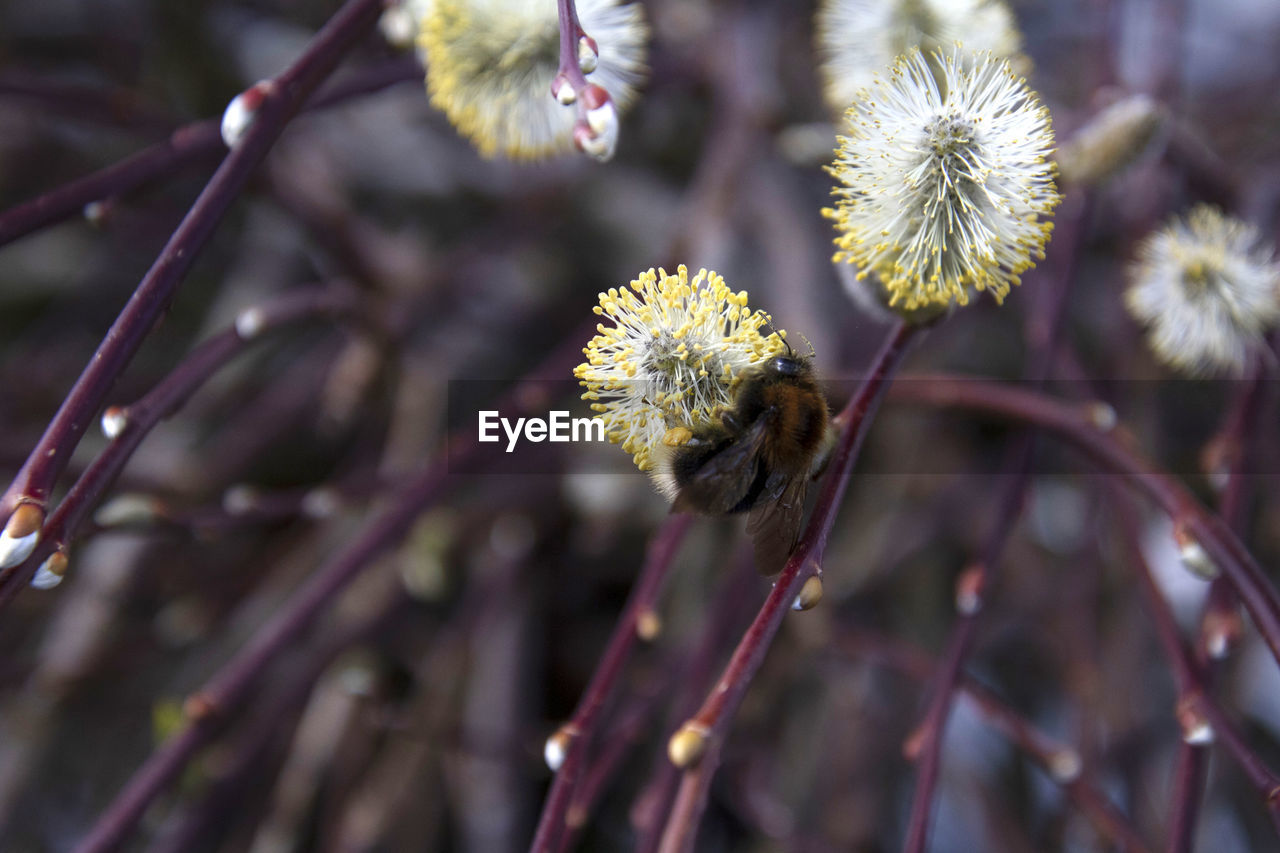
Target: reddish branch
{"x": 1061, "y": 761}
{"x": 187, "y": 146}
{"x": 1195, "y": 706}
{"x": 717, "y": 711}
{"x": 1076, "y": 424}
{"x": 731, "y": 602}
{"x": 579, "y": 54}
{"x": 1110, "y": 450}
{"x": 161, "y": 402}
{"x": 228, "y": 689}
{"x": 1044, "y": 327}
{"x": 282, "y": 98}
{"x": 224, "y": 797}
{"x": 1229, "y": 451}
{"x": 573, "y": 739}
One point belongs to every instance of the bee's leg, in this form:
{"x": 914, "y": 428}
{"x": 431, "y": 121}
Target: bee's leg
{"x": 825, "y": 450}
{"x": 677, "y": 437}
{"x": 730, "y": 421}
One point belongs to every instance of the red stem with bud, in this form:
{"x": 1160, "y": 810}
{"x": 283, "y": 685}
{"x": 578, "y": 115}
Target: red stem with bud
{"x": 35, "y": 480}
{"x": 573, "y": 739}
{"x": 167, "y": 397}
{"x": 1079, "y": 426}
{"x": 579, "y": 54}
{"x": 712, "y": 720}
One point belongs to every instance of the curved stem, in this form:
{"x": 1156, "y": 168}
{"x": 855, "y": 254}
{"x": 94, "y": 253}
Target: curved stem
{"x": 1195, "y": 704}
{"x": 1044, "y": 327}
{"x": 1112, "y": 451}
{"x": 731, "y": 602}
{"x": 1193, "y": 759}
{"x": 592, "y": 132}
{"x": 1059, "y": 760}
{"x": 186, "y": 146}
{"x": 232, "y": 684}
{"x": 282, "y": 98}
{"x": 722, "y": 702}
{"x": 574, "y": 737}
{"x": 161, "y": 402}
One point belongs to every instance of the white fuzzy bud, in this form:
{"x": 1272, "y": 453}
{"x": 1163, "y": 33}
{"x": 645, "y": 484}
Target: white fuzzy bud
{"x": 50, "y": 572}
{"x": 243, "y": 111}
{"x": 95, "y": 213}
{"x": 557, "y": 746}
{"x": 249, "y": 323}
{"x": 1102, "y": 416}
{"x": 1111, "y": 141}
{"x": 563, "y": 91}
{"x": 126, "y": 509}
{"x": 114, "y": 420}
{"x": 603, "y": 139}
{"x": 321, "y": 503}
{"x": 20, "y": 535}
{"x": 1196, "y": 560}
{"x": 398, "y": 27}
{"x": 588, "y": 56}
{"x": 239, "y": 499}
{"x": 1199, "y": 733}
{"x": 1065, "y": 766}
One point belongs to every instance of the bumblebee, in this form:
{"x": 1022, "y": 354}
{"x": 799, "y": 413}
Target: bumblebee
{"x": 756, "y": 456}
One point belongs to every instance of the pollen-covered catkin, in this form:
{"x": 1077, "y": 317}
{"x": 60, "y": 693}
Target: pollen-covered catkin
{"x": 1207, "y": 288}
{"x": 944, "y": 187}
{"x": 671, "y": 356}
{"x": 491, "y": 63}
{"x": 856, "y": 39}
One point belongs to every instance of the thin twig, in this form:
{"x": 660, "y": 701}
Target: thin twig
{"x": 281, "y": 99}
{"x": 1090, "y": 428}
{"x": 1044, "y": 327}
{"x": 1059, "y": 760}
{"x": 731, "y": 602}
{"x": 568, "y": 746}
{"x": 285, "y": 703}
{"x": 712, "y": 721}
{"x": 1231, "y": 449}
{"x": 596, "y": 129}
{"x": 161, "y": 402}
{"x": 186, "y": 146}
{"x": 232, "y": 684}
{"x": 1199, "y": 714}
{"x": 634, "y": 722}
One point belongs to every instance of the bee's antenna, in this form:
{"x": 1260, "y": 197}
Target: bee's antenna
{"x": 790, "y": 352}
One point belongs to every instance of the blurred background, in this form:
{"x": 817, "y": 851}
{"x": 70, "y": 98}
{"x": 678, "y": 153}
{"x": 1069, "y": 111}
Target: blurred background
{"x": 412, "y": 715}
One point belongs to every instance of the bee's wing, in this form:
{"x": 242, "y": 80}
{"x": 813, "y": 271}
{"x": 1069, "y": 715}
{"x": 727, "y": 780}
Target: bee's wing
{"x": 725, "y": 478}
{"x": 774, "y": 525}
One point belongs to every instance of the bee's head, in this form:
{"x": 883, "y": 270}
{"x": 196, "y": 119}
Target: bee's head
{"x": 789, "y": 365}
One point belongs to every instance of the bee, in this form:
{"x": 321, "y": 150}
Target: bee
{"x": 756, "y": 456}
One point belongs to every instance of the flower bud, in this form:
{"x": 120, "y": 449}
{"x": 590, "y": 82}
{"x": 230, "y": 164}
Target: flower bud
{"x": 114, "y": 420}
{"x": 51, "y": 571}
{"x": 20, "y": 535}
{"x": 241, "y": 113}
{"x": 1111, "y": 141}
{"x": 1193, "y": 555}
{"x": 810, "y": 594}
{"x": 557, "y": 746}
{"x": 688, "y": 744}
